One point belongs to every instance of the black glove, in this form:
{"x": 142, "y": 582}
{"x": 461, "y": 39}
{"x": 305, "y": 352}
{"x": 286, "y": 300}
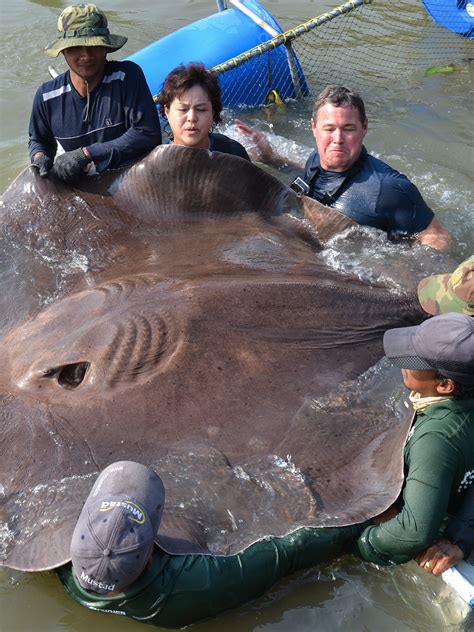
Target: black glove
{"x": 70, "y": 166}
{"x": 44, "y": 164}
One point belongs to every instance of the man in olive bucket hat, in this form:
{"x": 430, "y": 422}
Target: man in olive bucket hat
{"x": 98, "y": 111}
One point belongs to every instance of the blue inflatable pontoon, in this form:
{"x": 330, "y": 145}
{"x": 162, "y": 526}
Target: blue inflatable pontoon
{"x": 218, "y": 38}
{"x": 456, "y": 15}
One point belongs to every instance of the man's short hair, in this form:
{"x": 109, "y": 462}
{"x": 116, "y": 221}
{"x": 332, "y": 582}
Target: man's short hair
{"x": 340, "y": 97}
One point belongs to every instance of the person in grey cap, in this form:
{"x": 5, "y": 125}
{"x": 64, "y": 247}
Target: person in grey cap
{"x": 437, "y": 362}
{"x": 98, "y": 112}
{"x": 114, "y": 537}
{"x": 439, "y": 294}
{"x": 119, "y": 567}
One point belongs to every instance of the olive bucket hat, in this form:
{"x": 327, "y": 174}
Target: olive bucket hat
{"x": 454, "y": 292}
{"x": 83, "y": 25}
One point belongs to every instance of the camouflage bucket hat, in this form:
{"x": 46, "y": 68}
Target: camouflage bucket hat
{"x": 449, "y": 292}
{"x": 83, "y": 25}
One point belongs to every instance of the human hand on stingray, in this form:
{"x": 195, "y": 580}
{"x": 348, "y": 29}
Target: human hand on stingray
{"x": 440, "y": 556}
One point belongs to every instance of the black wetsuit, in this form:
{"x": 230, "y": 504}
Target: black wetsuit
{"x": 371, "y": 193}
{"x": 118, "y": 124}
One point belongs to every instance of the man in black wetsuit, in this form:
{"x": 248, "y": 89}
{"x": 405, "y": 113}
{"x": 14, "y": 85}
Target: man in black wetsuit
{"x": 341, "y": 174}
{"x": 98, "y": 112}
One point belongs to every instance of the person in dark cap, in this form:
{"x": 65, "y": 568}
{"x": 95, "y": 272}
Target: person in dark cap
{"x": 118, "y": 565}
{"x": 114, "y": 537}
{"x": 437, "y": 362}
{"x": 439, "y": 294}
{"x": 98, "y": 112}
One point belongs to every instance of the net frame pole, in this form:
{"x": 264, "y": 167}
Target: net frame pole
{"x": 290, "y": 55}
{"x": 250, "y": 14}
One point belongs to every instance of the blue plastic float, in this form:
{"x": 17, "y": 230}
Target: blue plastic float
{"x": 456, "y": 15}
{"x": 218, "y": 38}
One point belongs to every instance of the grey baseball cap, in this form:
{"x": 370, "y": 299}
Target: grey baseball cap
{"x": 443, "y": 343}
{"x": 113, "y": 538}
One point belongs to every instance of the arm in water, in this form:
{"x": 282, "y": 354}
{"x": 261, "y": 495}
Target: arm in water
{"x": 263, "y": 151}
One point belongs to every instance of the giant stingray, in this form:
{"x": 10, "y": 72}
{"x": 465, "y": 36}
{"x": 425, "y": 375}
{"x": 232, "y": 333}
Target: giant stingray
{"x": 203, "y": 334}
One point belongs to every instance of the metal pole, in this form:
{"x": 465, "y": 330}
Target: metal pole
{"x": 221, "y": 5}
{"x": 254, "y": 17}
{"x": 295, "y": 78}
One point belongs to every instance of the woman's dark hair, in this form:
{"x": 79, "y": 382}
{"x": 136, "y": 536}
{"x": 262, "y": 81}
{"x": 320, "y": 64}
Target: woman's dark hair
{"x": 461, "y": 391}
{"x": 184, "y": 77}
{"x": 340, "y": 97}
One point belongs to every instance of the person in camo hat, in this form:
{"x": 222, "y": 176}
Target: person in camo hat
{"x": 98, "y": 112}
{"x": 454, "y": 292}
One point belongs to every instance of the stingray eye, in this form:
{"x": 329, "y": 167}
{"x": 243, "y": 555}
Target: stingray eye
{"x": 69, "y": 376}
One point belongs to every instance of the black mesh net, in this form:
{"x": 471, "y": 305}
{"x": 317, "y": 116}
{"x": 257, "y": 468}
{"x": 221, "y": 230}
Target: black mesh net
{"x": 367, "y": 46}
